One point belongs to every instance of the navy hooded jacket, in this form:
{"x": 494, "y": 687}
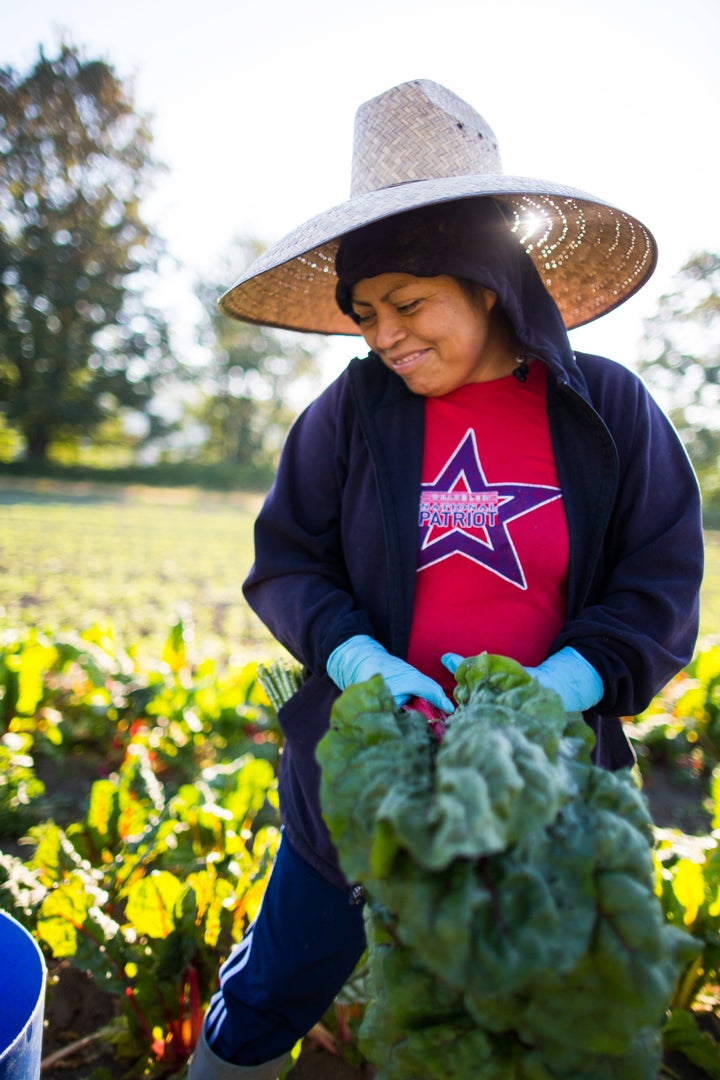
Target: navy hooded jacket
{"x": 336, "y": 540}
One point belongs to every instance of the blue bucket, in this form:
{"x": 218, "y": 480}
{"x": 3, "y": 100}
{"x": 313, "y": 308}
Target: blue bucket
{"x": 22, "y": 1001}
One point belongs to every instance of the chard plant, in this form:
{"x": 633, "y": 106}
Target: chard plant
{"x": 513, "y": 924}
{"x": 682, "y": 724}
{"x": 147, "y": 891}
{"x": 148, "y": 882}
{"x": 82, "y": 695}
{"x": 688, "y": 884}
{"x": 20, "y": 788}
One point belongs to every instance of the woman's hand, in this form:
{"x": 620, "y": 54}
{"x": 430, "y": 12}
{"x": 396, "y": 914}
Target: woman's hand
{"x": 566, "y": 672}
{"x": 361, "y": 657}
{"x": 452, "y": 661}
{"x": 572, "y": 677}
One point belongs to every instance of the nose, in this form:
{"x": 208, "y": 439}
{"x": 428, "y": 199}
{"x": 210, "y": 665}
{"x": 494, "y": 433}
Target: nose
{"x": 388, "y": 329}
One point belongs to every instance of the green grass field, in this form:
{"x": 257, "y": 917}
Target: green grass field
{"x": 137, "y": 557}
{"x": 134, "y": 558}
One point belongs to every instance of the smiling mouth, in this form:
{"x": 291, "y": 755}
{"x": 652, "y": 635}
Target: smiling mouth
{"x": 403, "y": 363}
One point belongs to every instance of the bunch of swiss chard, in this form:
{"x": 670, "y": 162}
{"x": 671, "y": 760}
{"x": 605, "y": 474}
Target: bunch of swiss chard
{"x": 513, "y": 928}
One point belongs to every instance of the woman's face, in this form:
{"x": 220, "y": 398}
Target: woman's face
{"x": 436, "y": 333}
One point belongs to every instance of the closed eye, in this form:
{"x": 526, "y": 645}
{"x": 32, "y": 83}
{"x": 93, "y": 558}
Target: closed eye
{"x": 368, "y": 314}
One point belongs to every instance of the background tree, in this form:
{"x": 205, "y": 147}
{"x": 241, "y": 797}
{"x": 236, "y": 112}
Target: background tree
{"x": 680, "y": 361}
{"x": 256, "y": 380}
{"x": 78, "y": 344}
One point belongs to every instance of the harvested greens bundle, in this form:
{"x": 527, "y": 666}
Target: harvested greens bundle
{"x": 513, "y": 929}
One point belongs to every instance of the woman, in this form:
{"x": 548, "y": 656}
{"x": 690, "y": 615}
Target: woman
{"x": 471, "y": 485}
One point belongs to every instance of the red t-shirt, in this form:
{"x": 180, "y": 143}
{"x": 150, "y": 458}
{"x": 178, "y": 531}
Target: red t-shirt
{"x": 493, "y": 545}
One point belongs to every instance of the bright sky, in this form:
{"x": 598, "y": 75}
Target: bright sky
{"x": 252, "y": 105}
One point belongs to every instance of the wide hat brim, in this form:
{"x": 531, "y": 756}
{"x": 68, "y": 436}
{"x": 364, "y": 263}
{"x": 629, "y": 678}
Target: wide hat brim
{"x": 591, "y": 256}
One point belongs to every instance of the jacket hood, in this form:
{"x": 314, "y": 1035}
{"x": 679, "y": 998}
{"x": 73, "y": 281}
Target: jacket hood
{"x": 470, "y": 239}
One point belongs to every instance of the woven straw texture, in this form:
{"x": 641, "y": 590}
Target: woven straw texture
{"x": 418, "y": 131}
{"x": 420, "y": 144}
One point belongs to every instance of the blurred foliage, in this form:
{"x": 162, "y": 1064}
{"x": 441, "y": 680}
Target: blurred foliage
{"x": 688, "y": 884}
{"x": 682, "y": 724}
{"x": 255, "y": 380}
{"x": 148, "y": 847}
{"x": 20, "y": 788}
{"x": 680, "y": 362}
{"x": 680, "y": 733}
{"x": 79, "y": 346}
{"x": 80, "y": 701}
{"x": 147, "y": 795}
{"x": 223, "y": 476}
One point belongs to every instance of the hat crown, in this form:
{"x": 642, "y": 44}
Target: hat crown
{"x": 419, "y": 145}
{"x": 419, "y": 130}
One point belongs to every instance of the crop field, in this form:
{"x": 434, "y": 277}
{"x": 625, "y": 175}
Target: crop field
{"x": 134, "y": 559}
{"x": 131, "y": 560}
{"x": 138, "y": 800}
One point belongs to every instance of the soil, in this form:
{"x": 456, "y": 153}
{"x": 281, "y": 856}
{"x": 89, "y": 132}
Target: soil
{"x": 76, "y": 1008}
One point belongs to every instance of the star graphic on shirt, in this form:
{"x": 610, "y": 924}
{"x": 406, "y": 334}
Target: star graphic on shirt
{"x": 462, "y": 513}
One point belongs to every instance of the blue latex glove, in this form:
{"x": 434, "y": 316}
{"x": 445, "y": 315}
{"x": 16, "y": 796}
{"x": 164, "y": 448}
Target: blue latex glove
{"x": 361, "y": 657}
{"x": 566, "y": 672}
{"x": 572, "y": 677}
{"x": 452, "y": 661}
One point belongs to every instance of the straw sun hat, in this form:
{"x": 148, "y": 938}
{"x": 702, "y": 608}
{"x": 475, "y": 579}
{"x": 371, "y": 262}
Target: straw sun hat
{"x": 420, "y": 144}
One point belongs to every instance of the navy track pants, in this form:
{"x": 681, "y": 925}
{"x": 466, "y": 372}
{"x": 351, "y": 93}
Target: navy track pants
{"x": 292, "y": 962}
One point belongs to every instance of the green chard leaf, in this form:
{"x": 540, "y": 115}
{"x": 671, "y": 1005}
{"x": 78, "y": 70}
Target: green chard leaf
{"x": 513, "y": 925}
